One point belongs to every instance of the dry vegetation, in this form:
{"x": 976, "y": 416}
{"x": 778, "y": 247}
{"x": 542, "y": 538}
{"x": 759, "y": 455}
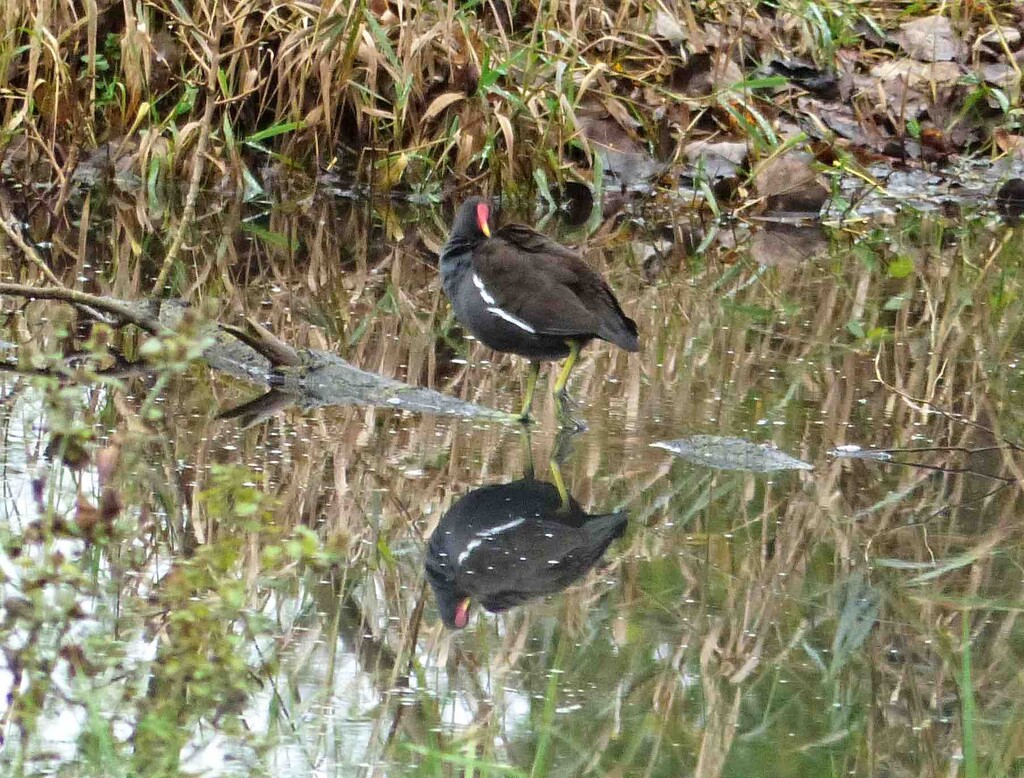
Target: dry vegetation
{"x": 417, "y": 95}
{"x": 861, "y": 619}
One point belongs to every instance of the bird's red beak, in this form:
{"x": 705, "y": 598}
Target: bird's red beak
{"x": 483, "y": 213}
{"x": 462, "y": 609}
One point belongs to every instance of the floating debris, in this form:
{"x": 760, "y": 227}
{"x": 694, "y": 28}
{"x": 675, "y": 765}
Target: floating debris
{"x": 850, "y": 451}
{"x": 732, "y": 454}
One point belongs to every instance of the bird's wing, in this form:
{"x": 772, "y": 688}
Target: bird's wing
{"x": 535, "y": 280}
{"x": 529, "y": 241}
{"x": 551, "y": 287}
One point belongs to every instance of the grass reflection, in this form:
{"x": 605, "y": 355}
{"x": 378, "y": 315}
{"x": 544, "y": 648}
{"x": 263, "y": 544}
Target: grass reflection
{"x": 257, "y": 602}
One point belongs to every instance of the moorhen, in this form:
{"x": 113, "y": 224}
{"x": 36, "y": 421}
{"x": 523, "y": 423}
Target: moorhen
{"x": 520, "y": 292}
{"x": 504, "y": 544}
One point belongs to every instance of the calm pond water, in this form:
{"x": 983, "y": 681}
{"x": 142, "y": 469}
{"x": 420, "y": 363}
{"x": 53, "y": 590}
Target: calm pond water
{"x": 255, "y": 601}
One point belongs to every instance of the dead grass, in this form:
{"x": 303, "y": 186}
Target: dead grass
{"x": 416, "y": 96}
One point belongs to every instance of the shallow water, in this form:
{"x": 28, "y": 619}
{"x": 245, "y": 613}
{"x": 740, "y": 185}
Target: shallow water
{"x": 785, "y": 623}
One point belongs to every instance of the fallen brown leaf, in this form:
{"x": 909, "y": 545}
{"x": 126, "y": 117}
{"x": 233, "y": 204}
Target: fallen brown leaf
{"x": 931, "y": 39}
{"x": 789, "y": 182}
{"x": 1007, "y": 143}
{"x": 788, "y": 244}
{"x": 717, "y": 160}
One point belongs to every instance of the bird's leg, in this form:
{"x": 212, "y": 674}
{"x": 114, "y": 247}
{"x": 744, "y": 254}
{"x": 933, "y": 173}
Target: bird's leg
{"x": 562, "y": 448}
{"x": 563, "y": 493}
{"x": 528, "y": 453}
{"x": 563, "y": 378}
{"x": 531, "y": 384}
{"x": 570, "y": 361}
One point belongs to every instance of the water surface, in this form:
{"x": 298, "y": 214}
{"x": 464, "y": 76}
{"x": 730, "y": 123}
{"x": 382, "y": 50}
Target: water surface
{"x": 259, "y": 603}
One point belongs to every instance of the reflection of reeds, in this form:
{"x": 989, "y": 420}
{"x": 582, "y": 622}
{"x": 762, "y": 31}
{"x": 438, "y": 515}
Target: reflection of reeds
{"x": 805, "y": 619}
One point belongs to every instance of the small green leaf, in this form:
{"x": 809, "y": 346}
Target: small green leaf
{"x": 769, "y": 82}
{"x": 541, "y": 179}
{"x": 866, "y": 254}
{"x": 229, "y": 134}
{"x": 246, "y": 508}
{"x": 273, "y": 131}
{"x": 271, "y": 238}
{"x": 222, "y": 81}
{"x": 385, "y": 551}
{"x": 186, "y": 102}
{"x": 99, "y": 61}
{"x": 1001, "y": 98}
{"x": 901, "y": 267}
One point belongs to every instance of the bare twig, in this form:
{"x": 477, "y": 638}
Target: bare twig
{"x": 920, "y": 403}
{"x": 6, "y": 217}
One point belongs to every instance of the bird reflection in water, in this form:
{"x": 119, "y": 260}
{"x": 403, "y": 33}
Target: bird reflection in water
{"x": 504, "y": 544}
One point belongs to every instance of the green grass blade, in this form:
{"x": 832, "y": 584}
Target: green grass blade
{"x": 967, "y": 703}
{"x": 273, "y": 131}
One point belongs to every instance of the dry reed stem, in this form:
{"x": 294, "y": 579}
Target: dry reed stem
{"x": 212, "y": 49}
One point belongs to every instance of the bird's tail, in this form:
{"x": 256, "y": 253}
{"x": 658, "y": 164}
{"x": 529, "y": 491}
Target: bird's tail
{"x": 605, "y": 528}
{"x": 622, "y": 332}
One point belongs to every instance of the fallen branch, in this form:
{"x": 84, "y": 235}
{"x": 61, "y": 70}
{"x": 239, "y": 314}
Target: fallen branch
{"x": 126, "y": 312}
{"x": 123, "y": 371}
{"x": 264, "y": 342}
{"x": 310, "y": 378}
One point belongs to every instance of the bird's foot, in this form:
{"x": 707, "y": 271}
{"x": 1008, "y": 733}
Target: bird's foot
{"x": 524, "y": 418}
{"x": 561, "y": 451}
{"x": 572, "y": 425}
{"x": 565, "y": 408}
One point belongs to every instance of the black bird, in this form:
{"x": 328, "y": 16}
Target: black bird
{"x": 520, "y": 292}
{"x": 504, "y": 544}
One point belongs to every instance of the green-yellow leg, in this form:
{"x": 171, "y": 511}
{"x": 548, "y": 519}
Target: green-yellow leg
{"x": 527, "y": 454}
{"x": 531, "y": 384}
{"x": 563, "y": 493}
{"x": 563, "y": 379}
{"x": 570, "y": 361}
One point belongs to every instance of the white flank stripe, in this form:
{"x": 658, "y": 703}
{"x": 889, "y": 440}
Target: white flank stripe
{"x": 470, "y": 548}
{"x": 486, "y": 534}
{"x": 490, "y": 532}
{"x": 488, "y": 298}
{"x": 512, "y": 319}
